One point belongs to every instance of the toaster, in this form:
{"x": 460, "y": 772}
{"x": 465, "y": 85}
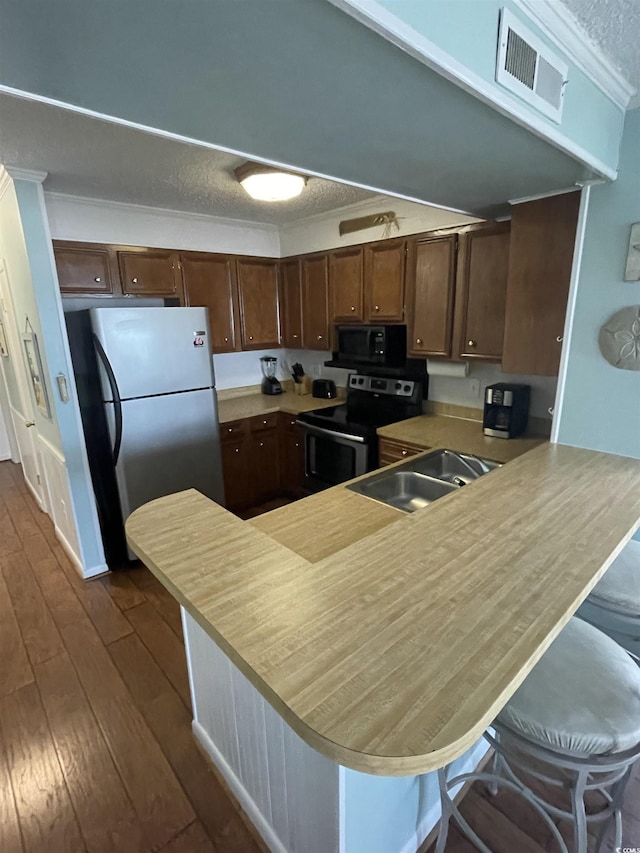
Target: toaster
{"x": 325, "y": 388}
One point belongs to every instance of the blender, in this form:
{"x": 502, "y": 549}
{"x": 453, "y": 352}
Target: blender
{"x": 270, "y": 385}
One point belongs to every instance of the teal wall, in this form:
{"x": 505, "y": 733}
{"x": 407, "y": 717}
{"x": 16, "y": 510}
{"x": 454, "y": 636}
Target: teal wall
{"x": 64, "y": 430}
{"x": 468, "y": 31}
{"x": 601, "y": 406}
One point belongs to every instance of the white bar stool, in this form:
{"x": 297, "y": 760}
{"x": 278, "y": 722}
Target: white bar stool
{"x": 574, "y": 724}
{"x": 614, "y": 604}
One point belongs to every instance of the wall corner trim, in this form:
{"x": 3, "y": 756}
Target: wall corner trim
{"x": 25, "y": 174}
{"x": 557, "y": 22}
{"x": 5, "y": 181}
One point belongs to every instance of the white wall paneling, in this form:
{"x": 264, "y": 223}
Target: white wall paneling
{"x": 59, "y": 500}
{"x": 5, "y": 444}
{"x": 289, "y": 790}
{"x": 28, "y": 455}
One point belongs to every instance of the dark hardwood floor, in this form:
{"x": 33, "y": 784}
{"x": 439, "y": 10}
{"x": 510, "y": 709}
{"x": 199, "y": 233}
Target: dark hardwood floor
{"x": 96, "y": 749}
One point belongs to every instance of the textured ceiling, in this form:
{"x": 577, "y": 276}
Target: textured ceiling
{"x": 615, "y": 26}
{"x": 97, "y": 159}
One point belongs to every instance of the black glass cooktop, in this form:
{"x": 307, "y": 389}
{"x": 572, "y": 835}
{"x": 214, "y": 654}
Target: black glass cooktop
{"x": 359, "y": 422}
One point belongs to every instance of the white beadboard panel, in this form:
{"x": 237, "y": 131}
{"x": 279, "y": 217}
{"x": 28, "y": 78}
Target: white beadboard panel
{"x": 5, "y": 446}
{"x": 58, "y": 499}
{"x": 289, "y": 790}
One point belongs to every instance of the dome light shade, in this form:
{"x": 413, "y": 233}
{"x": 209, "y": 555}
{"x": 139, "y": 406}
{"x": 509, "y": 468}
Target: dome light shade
{"x": 268, "y": 183}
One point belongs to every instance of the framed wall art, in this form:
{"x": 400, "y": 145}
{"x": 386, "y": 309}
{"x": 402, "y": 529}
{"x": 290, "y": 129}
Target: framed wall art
{"x": 34, "y": 363}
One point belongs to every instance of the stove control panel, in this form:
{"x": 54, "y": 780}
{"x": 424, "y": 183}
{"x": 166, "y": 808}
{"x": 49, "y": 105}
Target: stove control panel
{"x": 377, "y": 385}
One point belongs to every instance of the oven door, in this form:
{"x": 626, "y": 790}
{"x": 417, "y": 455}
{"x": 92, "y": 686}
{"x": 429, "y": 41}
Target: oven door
{"x": 332, "y": 457}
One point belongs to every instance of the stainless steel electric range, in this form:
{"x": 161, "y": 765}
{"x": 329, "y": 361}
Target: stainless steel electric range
{"x": 341, "y": 443}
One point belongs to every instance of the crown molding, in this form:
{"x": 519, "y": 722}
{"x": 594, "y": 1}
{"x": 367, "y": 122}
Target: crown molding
{"x": 557, "y": 22}
{"x": 26, "y": 174}
{"x": 5, "y": 181}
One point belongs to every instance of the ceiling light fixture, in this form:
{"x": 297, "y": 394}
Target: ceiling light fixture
{"x": 268, "y": 183}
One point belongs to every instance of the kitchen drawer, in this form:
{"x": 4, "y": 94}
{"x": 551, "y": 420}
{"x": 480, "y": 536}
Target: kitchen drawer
{"x": 262, "y": 422}
{"x": 234, "y": 430}
{"x": 393, "y": 451}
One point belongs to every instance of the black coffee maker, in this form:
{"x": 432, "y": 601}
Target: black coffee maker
{"x": 506, "y": 409}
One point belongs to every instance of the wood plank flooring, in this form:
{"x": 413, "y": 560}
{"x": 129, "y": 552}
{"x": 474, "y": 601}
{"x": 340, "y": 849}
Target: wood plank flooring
{"x": 96, "y": 749}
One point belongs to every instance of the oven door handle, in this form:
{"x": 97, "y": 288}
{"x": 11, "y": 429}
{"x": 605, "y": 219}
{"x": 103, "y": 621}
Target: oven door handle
{"x": 332, "y": 433}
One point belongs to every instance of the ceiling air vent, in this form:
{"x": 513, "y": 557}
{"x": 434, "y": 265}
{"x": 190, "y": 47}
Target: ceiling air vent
{"x": 527, "y": 67}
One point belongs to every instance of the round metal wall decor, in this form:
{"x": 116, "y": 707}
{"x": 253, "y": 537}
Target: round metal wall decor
{"x": 620, "y": 339}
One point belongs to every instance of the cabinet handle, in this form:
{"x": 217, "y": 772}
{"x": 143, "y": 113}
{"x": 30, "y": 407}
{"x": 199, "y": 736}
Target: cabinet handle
{"x": 404, "y": 452}
{"x": 295, "y": 337}
{"x": 418, "y": 340}
{"x": 237, "y": 450}
{"x": 551, "y": 410}
{"x": 250, "y": 337}
{"x": 377, "y": 307}
{"x": 319, "y": 337}
{"x": 353, "y": 307}
{"x": 292, "y": 423}
{"x": 560, "y": 338}
{"x": 264, "y": 422}
{"x": 297, "y": 444}
{"x": 262, "y": 444}
{"x": 97, "y": 278}
{"x": 134, "y": 280}
{"x": 229, "y": 429}
{"x": 472, "y": 344}
{"x": 226, "y": 340}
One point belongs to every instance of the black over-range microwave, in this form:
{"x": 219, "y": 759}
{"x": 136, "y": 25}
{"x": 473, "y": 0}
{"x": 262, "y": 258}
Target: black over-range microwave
{"x": 381, "y": 346}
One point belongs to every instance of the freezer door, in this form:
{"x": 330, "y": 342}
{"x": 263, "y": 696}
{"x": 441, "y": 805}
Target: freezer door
{"x": 153, "y": 350}
{"x": 168, "y": 444}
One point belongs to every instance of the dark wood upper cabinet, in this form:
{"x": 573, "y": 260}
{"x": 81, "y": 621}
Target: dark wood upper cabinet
{"x": 543, "y": 234}
{"x": 346, "y": 285}
{"x": 210, "y": 282}
{"x": 481, "y": 291}
{"x": 384, "y": 266}
{"x": 291, "y": 303}
{"x": 259, "y": 302}
{"x": 315, "y": 298}
{"x": 430, "y": 295}
{"x": 150, "y": 272}
{"x": 84, "y": 268}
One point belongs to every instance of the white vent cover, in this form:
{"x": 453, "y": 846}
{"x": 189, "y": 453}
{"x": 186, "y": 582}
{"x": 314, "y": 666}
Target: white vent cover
{"x": 527, "y": 67}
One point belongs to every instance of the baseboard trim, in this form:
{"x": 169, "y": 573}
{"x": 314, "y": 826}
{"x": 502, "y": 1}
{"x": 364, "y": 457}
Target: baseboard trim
{"x": 76, "y": 562}
{"x": 35, "y": 496}
{"x": 261, "y": 826}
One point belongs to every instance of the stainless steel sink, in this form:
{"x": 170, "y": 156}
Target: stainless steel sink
{"x": 453, "y": 467}
{"x": 405, "y": 490}
{"x": 421, "y": 481}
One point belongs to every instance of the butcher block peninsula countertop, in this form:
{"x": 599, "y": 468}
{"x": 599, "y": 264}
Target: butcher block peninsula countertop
{"x": 393, "y": 654}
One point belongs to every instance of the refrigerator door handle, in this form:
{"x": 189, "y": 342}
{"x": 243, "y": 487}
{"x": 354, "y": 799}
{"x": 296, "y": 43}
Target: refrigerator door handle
{"x": 117, "y": 403}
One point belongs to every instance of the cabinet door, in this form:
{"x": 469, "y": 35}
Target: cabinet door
{"x": 384, "y": 265}
{"x": 543, "y": 235}
{"x": 291, "y": 303}
{"x": 83, "y": 268}
{"x": 346, "y": 270}
{"x": 481, "y": 292}
{"x": 431, "y": 282}
{"x": 291, "y": 456}
{"x": 210, "y": 282}
{"x": 265, "y": 470}
{"x": 259, "y": 302}
{"x": 236, "y": 475}
{"x": 149, "y": 272}
{"x": 315, "y": 297}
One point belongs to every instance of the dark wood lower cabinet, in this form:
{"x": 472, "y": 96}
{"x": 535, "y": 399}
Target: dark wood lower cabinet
{"x": 262, "y": 458}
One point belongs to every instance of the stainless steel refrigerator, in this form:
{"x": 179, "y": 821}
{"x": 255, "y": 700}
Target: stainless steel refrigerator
{"x": 158, "y": 399}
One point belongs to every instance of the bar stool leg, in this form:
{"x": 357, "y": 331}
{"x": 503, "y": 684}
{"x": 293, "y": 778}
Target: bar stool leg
{"x": 579, "y": 812}
{"x": 445, "y": 805}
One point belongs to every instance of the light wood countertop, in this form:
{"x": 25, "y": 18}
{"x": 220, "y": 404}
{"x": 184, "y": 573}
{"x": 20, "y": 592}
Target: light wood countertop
{"x": 465, "y": 436}
{"x": 250, "y": 405}
{"x": 393, "y": 654}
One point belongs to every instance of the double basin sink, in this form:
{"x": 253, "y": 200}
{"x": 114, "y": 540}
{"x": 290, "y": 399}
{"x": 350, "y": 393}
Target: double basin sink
{"x": 419, "y": 482}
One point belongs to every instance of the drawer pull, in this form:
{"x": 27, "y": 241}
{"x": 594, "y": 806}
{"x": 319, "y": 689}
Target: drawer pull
{"x": 297, "y": 444}
{"x": 319, "y": 337}
{"x": 404, "y": 452}
{"x": 264, "y": 422}
{"x": 353, "y": 307}
{"x": 472, "y": 344}
{"x": 134, "y": 280}
{"x": 262, "y": 444}
{"x": 237, "y": 450}
{"x": 97, "y": 278}
{"x": 230, "y": 429}
{"x": 226, "y": 340}
{"x": 560, "y": 338}
{"x": 250, "y": 337}
{"x": 418, "y": 340}
{"x": 295, "y": 337}
{"x": 377, "y": 307}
